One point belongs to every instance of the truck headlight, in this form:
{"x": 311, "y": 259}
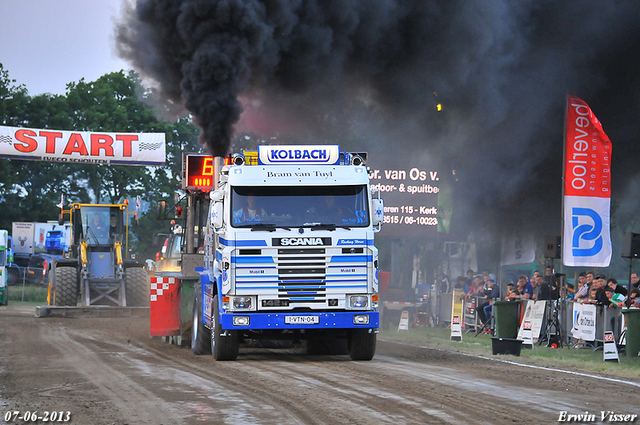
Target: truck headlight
{"x": 240, "y": 320}
{"x": 242, "y": 303}
{"x": 361, "y": 319}
{"x": 358, "y": 301}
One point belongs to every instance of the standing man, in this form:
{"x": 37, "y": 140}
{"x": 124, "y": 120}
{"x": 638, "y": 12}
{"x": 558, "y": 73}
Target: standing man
{"x": 617, "y": 289}
{"x": 541, "y": 290}
{"x": 582, "y": 293}
{"x": 635, "y": 282}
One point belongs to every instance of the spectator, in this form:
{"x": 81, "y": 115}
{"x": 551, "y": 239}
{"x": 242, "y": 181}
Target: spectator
{"x": 571, "y": 291}
{"x": 583, "y": 289}
{"x": 555, "y": 286}
{"x": 634, "y": 299}
{"x": 524, "y": 289}
{"x": 482, "y": 294}
{"x": 608, "y": 294}
{"x": 469, "y": 281}
{"x": 460, "y": 283}
{"x": 599, "y": 284}
{"x": 591, "y": 298}
{"x": 442, "y": 281}
{"x": 590, "y": 276}
{"x": 476, "y": 287}
{"x": 635, "y": 282}
{"x": 548, "y": 275}
{"x": 618, "y": 289}
{"x": 512, "y": 291}
{"x": 541, "y": 290}
{"x": 494, "y": 294}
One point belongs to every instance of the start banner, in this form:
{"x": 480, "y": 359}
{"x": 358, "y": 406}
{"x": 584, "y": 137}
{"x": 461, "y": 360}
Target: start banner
{"x": 587, "y": 189}
{"x": 82, "y": 147}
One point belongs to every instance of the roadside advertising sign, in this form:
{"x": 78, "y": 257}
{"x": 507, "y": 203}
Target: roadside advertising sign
{"x": 587, "y": 189}
{"x": 82, "y": 147}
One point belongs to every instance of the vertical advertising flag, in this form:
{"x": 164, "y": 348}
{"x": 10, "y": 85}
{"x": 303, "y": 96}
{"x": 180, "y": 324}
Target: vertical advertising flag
{"x": 587, "y": 189}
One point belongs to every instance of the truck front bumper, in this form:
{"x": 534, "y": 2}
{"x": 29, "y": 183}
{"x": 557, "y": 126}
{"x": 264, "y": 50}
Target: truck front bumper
{"x": 306, "y": 320}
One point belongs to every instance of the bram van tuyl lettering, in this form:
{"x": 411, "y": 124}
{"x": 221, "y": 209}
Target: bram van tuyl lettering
{"x": 604, "y": 416}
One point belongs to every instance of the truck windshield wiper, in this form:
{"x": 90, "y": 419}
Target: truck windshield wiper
{"x": 326, "y": 226}
{"x": 267, "y": 227}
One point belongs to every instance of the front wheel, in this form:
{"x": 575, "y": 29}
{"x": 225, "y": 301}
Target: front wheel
{"x": 13, "y": 277}
{"x": 362, "y": 344}
{"x": 222, "y": 347}
{"x": 200, "y": 335}
{"x": 65, "y": 290}
{"x": 137, "y": 287}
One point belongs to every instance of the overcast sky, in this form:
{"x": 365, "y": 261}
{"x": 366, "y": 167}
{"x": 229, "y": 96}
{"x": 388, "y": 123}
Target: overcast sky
{"x": 45, "y": 44}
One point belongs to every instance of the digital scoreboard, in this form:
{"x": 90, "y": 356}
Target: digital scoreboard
{"x": 197, "y": 172}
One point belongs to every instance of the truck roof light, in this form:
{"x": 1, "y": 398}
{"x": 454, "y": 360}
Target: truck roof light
{"x": 238, "y": 159}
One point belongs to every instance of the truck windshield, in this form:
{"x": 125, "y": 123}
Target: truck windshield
{"x": 300, "y": 206}
{"x": 102, "y": 225}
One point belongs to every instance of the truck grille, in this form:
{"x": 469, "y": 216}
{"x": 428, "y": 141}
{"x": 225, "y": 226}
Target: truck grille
{"x": 301, "y": 275}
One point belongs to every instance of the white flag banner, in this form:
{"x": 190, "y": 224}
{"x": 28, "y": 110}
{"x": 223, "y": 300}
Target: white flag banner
{"x": 82, "y": 147}
{"x": 518, "y": 248}
{"x": 586, "y": 240}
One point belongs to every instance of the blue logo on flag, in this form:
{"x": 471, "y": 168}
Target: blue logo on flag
{"x": 586, "y": 232}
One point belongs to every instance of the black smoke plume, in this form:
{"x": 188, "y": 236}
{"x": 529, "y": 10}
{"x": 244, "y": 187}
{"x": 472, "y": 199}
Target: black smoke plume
{"x": 375, "y": 70}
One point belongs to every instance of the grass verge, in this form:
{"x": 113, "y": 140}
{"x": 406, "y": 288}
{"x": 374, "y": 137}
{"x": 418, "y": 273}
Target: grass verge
{"x": 565, "y": 358}
{"x": 27, "y": 294}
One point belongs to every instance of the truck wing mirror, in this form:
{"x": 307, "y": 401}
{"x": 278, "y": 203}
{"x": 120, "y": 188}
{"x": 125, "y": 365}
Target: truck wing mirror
{"x": 216, "y": 214}
{"x": 378, "y": 211}
{"x": 161, "y": 210}
{"x": 216, "y": 196}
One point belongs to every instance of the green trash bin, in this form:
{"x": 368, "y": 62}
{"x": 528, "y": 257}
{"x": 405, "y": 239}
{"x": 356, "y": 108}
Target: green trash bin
{"x": 507, "y": 318}
{"x": 632, "y": 318}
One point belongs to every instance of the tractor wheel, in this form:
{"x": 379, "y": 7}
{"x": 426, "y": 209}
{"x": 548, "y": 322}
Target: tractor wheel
{"x": 200, "y": 335}
{"x": 362, "y": 344}
{"x": 65, "y": 290}
{"x": 222, "y": 347}
{"x": 136, "y": 281}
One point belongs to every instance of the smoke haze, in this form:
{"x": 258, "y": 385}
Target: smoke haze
{"x": 372, "y": 73}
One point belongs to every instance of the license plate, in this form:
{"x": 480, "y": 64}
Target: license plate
{"x": 301, "y": 320}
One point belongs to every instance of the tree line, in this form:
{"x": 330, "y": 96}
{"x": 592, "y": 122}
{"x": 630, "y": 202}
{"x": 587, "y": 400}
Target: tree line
{"x": 115, "y": 102}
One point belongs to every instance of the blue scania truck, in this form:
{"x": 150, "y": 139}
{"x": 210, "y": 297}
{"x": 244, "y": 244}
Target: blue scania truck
{"x": 289, "y": 253}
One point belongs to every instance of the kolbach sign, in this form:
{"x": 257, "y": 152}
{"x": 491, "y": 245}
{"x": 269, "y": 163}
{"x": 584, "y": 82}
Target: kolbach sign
{"x": 82, "y": 147}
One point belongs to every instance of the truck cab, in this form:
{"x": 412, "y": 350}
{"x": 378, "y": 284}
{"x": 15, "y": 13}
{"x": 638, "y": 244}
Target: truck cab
{"x": 290, "y": 253}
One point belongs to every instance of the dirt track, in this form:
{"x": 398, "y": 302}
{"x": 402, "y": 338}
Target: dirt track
{"x": 109, "y": 371}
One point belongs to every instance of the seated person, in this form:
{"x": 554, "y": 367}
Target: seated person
{"x": 250, "y": 212}
{"x": 524, "y": 290}
{"x": 493, "y": 294}
{"x": 97, "y": 227}
{"x": 112, "y": 226}
{"x": 512, "y": 292}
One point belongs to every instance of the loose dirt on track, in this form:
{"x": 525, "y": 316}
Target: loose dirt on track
{"x": 109, "y": 371}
